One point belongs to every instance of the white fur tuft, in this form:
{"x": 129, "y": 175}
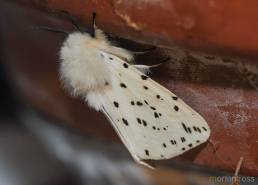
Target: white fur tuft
{"x": 94, "y": 100}
{"x": 82, "y": 69}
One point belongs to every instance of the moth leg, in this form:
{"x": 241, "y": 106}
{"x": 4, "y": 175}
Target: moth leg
{"x": 145, "y": 51}
{"x": 147, "y": 69}
{"x": 55, "y": 30}
{"x": 143, "y": 68}
{"x": 139, "y": 161}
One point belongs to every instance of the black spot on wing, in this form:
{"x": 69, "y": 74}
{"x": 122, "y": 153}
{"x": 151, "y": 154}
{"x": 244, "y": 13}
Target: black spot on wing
{"x": 195, "y": 128}
{"x": 144, "y": 123}
{"x": 176, "y": 108}
{"x": 132, "y": 102}
{"x": 116, "y": 104}
{"x": 154, "y": 128}
{"x": 156, "y": 115}
{"x": 205, "y": 129}
{"x": 187, "y": 129}
{"x": 145, "y": 87}
{"x": 110, "y": 58}
{"x": 182, "y": 139}
{"x": 122, "y": 85}
{"x": 190, "y": 144}
{"x": 173, "y": 142}
{"x": 198, "y": 129}
{"x": 139, "y": 103}
{"x": 125, "y": 121}
{"x": 158, "y": 96}
{"x": 174, "y": 98}
{"x": 153, "y": 108}
{"x": 164, "y": 145}
{"x": 139, "y": 121}
{"x": 125, "y": 65}
{"x": 144, "y": 77}
{"x": 147, "y": 152}
{"x": 145, "y": 101}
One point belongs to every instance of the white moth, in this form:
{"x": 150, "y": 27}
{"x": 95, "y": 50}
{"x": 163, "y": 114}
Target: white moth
{"x": 152, "y": 122}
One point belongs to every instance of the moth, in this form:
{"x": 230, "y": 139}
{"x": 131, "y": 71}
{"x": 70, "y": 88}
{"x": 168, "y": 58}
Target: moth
{"x": 152, "y": 122}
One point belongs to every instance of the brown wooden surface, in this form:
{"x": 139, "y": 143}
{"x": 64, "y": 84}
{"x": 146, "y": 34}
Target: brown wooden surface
{"x": 215, "y": 88}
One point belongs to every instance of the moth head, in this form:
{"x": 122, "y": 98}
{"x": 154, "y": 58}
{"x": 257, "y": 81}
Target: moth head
{"x": 82, "y": 68}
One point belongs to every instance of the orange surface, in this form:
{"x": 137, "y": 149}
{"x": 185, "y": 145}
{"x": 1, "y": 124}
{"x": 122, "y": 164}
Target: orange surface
{"x": 216, "y": 90}
{"x": 216, "y": 26}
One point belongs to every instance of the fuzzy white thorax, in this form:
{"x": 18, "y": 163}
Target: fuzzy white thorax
{"x": 82, "y": 68}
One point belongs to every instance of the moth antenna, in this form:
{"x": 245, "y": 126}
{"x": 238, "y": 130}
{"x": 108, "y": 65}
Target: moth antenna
{"x": 145, "y": 51}
{"x": 45, "y": 28}
{"x": 93, "y": 25}
{"x": 166, "y": 60}
{"x": 71, "y": 19}
{"x": 147, "y": 69}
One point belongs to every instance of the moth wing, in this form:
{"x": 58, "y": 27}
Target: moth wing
{"x": 151, "y": 121}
